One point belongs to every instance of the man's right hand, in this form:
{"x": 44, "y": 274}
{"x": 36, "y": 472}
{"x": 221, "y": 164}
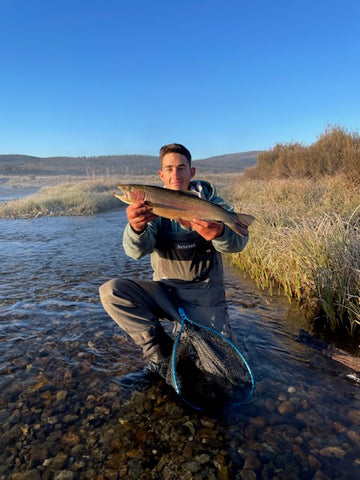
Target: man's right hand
{"x": 138, "y": 215}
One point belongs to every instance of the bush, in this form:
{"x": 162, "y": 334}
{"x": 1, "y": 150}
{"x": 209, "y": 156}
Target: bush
{"x": 336, "y": 151}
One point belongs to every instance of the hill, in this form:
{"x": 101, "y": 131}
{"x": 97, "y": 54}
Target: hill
{"x": 115, "y": 164}
{"x": 229, "y": 163}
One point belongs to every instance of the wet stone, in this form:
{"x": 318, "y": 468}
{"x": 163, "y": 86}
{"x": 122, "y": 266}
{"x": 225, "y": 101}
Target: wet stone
{"x": 247, "y": 475}
{"x": 285, "y": 408}
{"x": 61, "y": 395}
{"x": 251, "y": 463}
{"x": 354, "y": 437}
{"x": 77, "y": 450}
{"x": 64, "y": 475}
{"x": 258, "y": 422}
{"x": 71, "y": 438}
{"x": 203, "y": 458}
{"x": 354, "y": 416}
{"x": 70, "y": 418}
{"x": 29, "y": 475}
{"x": 339, "y": 427}
{"x": 332, "y": 451}
{"x": 314, "y": 463}
{"x": 111, "y": 475}
{"x": 38, "y": 456}
{"x": 59, "y": 461}
{"x": 192, "y": 467}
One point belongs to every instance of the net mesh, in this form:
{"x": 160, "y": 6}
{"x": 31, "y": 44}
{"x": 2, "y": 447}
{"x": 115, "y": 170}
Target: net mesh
{"x": 206, "y": 369}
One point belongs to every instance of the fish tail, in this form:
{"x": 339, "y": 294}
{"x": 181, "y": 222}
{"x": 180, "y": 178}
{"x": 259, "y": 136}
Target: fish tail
{"x": 240, "y": 223}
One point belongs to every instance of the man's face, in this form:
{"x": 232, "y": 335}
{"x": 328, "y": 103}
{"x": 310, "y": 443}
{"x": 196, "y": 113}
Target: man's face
{"x": 175, "y": 172}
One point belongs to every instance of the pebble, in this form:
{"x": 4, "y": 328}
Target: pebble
{"x": 248, "y": 475}
{"x": 61, "y": 429}
{"x": 59, "y": 461}
{"x": 64, "y": 475}
{"x": 29, "y": 475}
{"x": 286, "y": 407}
{"x": 354, "y": 437}
{"x": 336, "y": 452}
{"x": 354, "y": 416}
{"x": 192, "y": 466}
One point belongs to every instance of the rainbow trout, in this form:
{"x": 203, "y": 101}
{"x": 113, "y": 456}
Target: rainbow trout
{"x": 185, "y": 205}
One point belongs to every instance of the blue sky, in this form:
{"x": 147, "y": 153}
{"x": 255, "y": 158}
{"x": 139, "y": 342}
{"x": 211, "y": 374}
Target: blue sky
{"x": 101, "y": 77}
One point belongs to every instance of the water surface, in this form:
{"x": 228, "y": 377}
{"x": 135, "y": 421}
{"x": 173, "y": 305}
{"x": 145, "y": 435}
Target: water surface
{"x": 63, "y": 410}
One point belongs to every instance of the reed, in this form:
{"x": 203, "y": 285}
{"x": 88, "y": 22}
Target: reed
{"x": 305, "y": 243}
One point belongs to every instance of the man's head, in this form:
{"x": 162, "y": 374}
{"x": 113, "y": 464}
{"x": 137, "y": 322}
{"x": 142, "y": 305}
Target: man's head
{"x": 176, "y": 171}
{"x": 174, "y": 148}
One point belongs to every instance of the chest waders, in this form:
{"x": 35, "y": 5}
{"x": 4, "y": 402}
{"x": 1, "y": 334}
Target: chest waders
{"x": 190, "y": 268}
{"x": 188, "y": 273}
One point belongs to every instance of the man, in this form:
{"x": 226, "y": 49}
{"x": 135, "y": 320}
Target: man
{"x": 186, "y": 259}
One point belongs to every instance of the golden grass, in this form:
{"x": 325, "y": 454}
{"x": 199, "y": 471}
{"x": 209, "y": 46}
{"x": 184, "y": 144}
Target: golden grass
{"x": 305, "y": 242}
{"x": 79, "y": 198}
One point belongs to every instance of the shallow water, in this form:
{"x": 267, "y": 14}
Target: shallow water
{"x": 63, "y": 414}
{"x": 10, "y": 193}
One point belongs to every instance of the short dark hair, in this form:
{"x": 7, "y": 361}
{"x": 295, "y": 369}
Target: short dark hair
{"x": 175, "y": 148}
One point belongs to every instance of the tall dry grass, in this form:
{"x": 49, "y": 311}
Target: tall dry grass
{"x": 77, "y": 198}
{"x": 306, "y": 243}
{"x": 336, "y": 151}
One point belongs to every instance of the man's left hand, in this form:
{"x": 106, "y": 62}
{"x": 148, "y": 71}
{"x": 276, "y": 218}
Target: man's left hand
{"x": 208, "y": 230}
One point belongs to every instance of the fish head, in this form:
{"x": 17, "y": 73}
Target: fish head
{"x": 131, "y": 193}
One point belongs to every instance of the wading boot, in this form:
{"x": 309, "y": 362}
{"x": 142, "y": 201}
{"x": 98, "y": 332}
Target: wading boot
{"x": 147, "y": 375}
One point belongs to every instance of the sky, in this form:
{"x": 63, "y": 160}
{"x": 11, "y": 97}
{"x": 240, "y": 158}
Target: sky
{"x": 111, "y": 77}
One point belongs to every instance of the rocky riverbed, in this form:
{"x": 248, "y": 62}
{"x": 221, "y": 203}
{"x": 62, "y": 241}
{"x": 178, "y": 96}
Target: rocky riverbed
{"x": 65, "y": 416}
{"x": 74, "y": 424}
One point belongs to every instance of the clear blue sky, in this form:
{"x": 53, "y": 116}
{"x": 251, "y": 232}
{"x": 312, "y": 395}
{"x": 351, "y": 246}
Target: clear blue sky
{"x": 93, "y": 77}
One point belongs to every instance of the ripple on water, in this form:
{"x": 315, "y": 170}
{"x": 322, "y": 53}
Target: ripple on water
{"x": 61, "y": 357}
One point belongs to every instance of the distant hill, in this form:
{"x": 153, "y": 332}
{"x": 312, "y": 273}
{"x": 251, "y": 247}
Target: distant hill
{"x": 115, "y": 164}
{"x": 229, "y": 163}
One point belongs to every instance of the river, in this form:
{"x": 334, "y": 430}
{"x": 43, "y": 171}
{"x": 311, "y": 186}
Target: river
{"x": 65, "y": 416}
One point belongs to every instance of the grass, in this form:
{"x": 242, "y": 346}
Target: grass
{"x": 81, "y": 198}
{"x": 305, "y": 241}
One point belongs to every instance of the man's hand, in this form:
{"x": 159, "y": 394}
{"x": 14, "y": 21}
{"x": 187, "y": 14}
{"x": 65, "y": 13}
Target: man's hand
{"x": 138, "y": 215}
{"x": 208, "y": 230}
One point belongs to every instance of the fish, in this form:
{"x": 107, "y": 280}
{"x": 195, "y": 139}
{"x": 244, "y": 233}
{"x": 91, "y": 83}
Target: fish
{"x": 183, "y": 205}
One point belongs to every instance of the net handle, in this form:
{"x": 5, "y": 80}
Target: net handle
{"x": 173, "y": 361}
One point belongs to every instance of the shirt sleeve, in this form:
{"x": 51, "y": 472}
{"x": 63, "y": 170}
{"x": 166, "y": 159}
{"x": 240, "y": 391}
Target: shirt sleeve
{"x": 229, "y": 241}
{"x": 138, "y": 245}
